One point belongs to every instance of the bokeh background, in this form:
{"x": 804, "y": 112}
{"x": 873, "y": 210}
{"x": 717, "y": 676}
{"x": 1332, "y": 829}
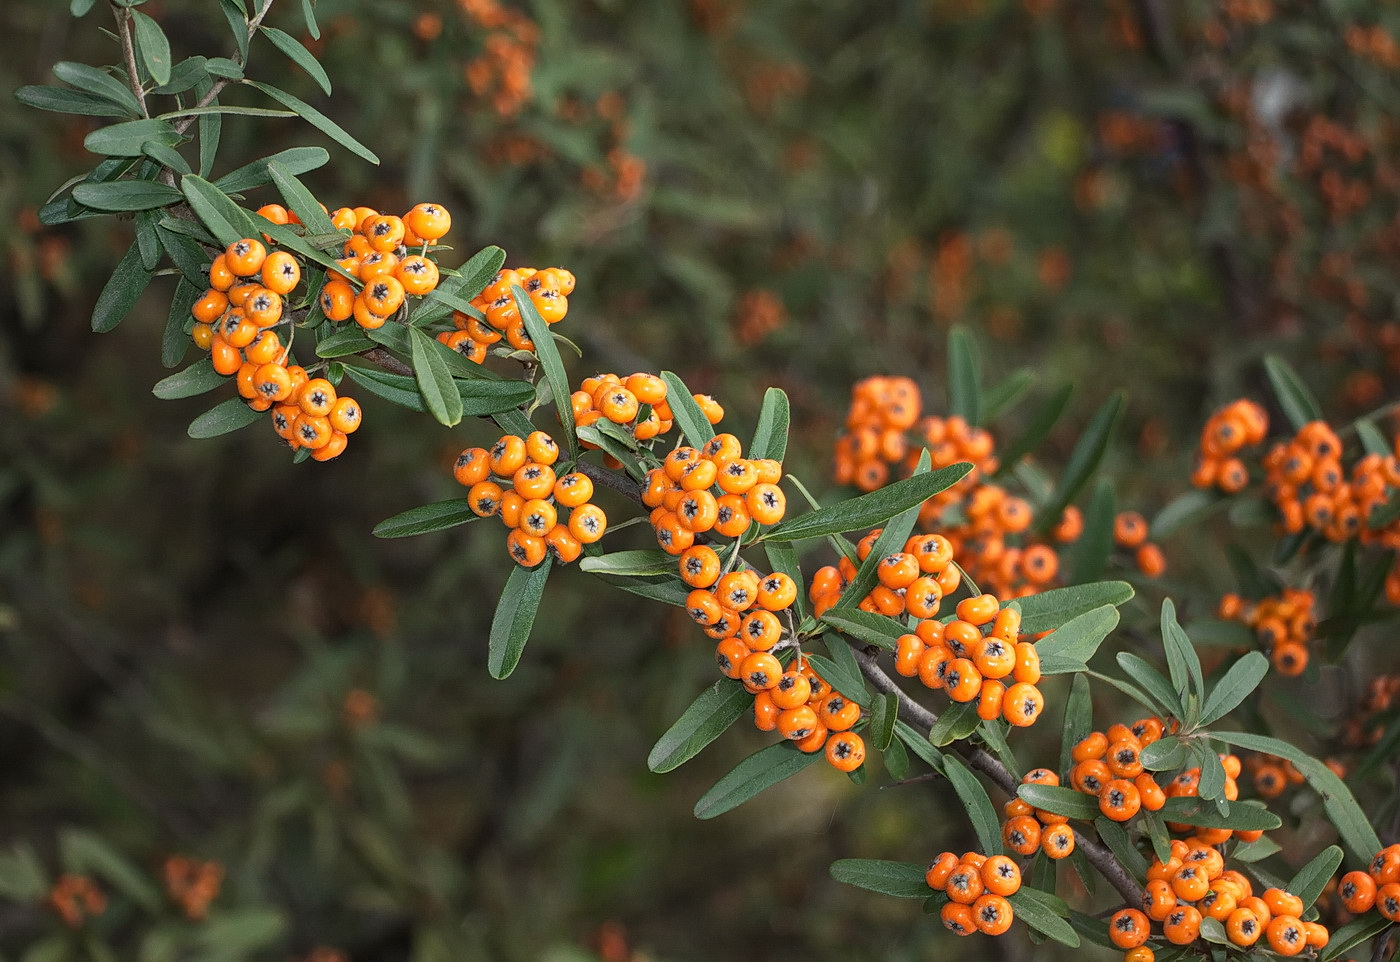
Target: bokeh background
{"x": 203, "y": 652}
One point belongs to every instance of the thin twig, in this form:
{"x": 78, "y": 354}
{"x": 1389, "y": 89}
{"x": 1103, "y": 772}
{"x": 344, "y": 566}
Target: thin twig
{"x": 214, "y": 91}
{"x": 133, "y": 73}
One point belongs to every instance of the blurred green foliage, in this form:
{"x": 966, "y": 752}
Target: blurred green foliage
{"x": 204, "y": 652}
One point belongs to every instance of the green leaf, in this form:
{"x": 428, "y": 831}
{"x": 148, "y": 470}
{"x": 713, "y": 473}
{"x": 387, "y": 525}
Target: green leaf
{"x": 125, "y": 140}
{"x": 604, "y": 434}
{"x": 294, "y": 161}
{"x": 1202, "y": 812}
{"x": 476, "y": 274}
{"x": 1182, "y": 663}
{"x": 61, "y": 100}
{"x": 80, "y": 7}
{"x": 426, "y": 518}
{"x": 630, "y": 564}
{"x": 1166, "y": 754}
{"x": 1312, "y": 878}
{"x": 1212, "y": 780}
{"x": 299, "y": 55}
{"x": 187, "y": 255}
{"x": 237, "y": 933}
{"x": 666, "y": 590}
{"x": 868, "y": 510}
{"x": 964, "y": 376}
{"x": 515, "y": 616}
{"x": 957, "y": 722}
{"x": 318, "y": 120}
{"x": 300, "y": 200}
{"x": 548, "y": 353}
{"x": 839, "y": 676}
{"x": 126, "y": 195}
{"x": 308, "y": 15}
{"x": 1190, "y": 507}
{"x": 22, "y": 875}
{"x": 1000, "y": 399}
{"x": 866, "y": 626}
{"x": 1089, "y": 554}
{"x": 689, "y": 418}
{"x": 1243, "y": 677}
{"x": 1372, "y": 440}
{"x": 121, "y": 292}
{"x": 94, "y": 80}
{"x": 210, "y": 110}
{"x": 770, "y": 435}
{"x": 1084, "y": 460}
{"x": 920, "y": 745}
{"x": 478, "y": 397}
{"x": 210, "y": 127}
{"x": 174, "y": 341}
{"x": 198, "y": 378}
{"x": 224, "y": 68}
{"x": 238, "y": 25}
{"x": 901, "y": 880}
{"x": 892, "y": 538}
{"x": 347, "y": 340}
{"x": 708, "y": 717}
{"x": 187, "y": 73}
{"x": 1078, "y": 719}
{"x": 1256, "y": 851}
{"x": 1069, "y": 647}
{"x": 87, "y": 853}
{"x": 1153, "y": 683}
{"x": 1061, "y": 801}
{"x": 761, "y": 770}
{"x": 884, "y": 712}
{"x": 1045, "y": 913}
{"x": 1048, "y": 610}
{"x": 226, "y": 220}
{"x": 434, "y": 381}
{"x": 1354, "y": 933}
{"x": 167, "y": 157}
{"x": 1293, "y": 396}
{"x": 1038, "y": 430}
{"x": 1383, "y": 515}
{"x": 1093, "y": 929}
{"x": 224, "y": 418}
{"x": 1341, "y": 807}
{"x": 993, "y": 732}
{"x": 1115, "y": 836}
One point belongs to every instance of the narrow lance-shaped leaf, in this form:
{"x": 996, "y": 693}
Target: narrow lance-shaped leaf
{"x": 435, "y": 382}
{"x": 299, "y": 55}
{"x": 426, "y": 518}
{"x": 318, "y": 120}
{"x": 901, "y": 880}
{"x": 1297, "y": 401}
{"x": 226, "y": 220}
{"x": 839, "y": 676}
{"x": 123, "y": 195}
{"x": 127, "y": 139}
{"x": 1083, "y": 461}
{"x": 974, "y": 798}
{"x": 1312, "y": 878}
{"x": 1046, "y": 914}
{"x": 958, "y": 721}
{"x": 884, "y": 711}
{"x": 770, "y": 435}
{"x": 1078, "y": 719}
{"x": 1089, "y": 554}
{"x": 892, "y": 538}
{"x": 866, "y": 626}
{"x": 61, "y": 100}
{"x": 515, "y": 616}
{"x": 198, "y": 378}
{"x": 553, "y": 364}
{"x": 964, "y": 376}
{"x": 1048, "y": 610}
{"x": 708, "y": 717}
{"x": 1182, "y": 663}
{"x": 1152, "y": 682}
{"x": 1038, "y": 429}
{"x": 152, "y": 46}
{"x": 223, "y": 418}
{"x": 121, "y": 292}
{"x": 1002, "y": 398}
{"x": 871, "y": 509}
{"x": 761, "y": 770}
{"x": 1070, "y": 646}
{"x": 1243, "y": 677}
{"x": 302, "y": 202}
{"x": 1202, "y": 812}
{"x": 688, "y": 416}
{"x": 293, "y": 160}
{"x": 174, "y": 342}
{"x": 1061, "y": 801}
{"x": 96, "y": 81}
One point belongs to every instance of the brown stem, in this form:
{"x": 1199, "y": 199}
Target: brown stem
{"x": 133, "y": 73}
{"x": 921, "y": 718}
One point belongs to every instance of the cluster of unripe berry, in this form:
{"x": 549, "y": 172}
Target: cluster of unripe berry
{"x": 1108, "y": 766}
{"x": 977, "y": 887}
{"x": 1227, "y": 432}
{"x": 1194, "y": 885}
{"x": 1377, "y": 887}
{"x": 515, "y": 481}
{"x": 1284, "y": 625}
{"x": 497, "y": 316}
{"x": 235, "y": 321}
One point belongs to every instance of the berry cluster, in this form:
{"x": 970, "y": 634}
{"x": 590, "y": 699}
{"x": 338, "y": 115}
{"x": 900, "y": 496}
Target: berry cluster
{"x": 1284, "y": 625}
{"x": 499, "y": 317}
{"x": 1231, "y": 429}
{"x": 1309, "y": 487}
{"x": 1377, "y": 887}
{"x": 1193, "y": 885}
{"x": 502, "y": 70}
{"x": 798, "y": 703}
{"x": 913, "y": 581}
{"x": 712, "y": 489}
{"x": 192, "y": 884}
{"x": 515, "y": 481}
{"x": 376, "y": 259}
{"x": 1130, "y": 532}
{"x": 883, "y": 410}
{"x": 1108, "y": 765}
{"x": 977, "y": 887}
{"x": 1271, "y": 775}
{"x": 608, "y": 397}
{"x": 997, "y": 669}
{"x": 235, "y": 321}
{"x": 76, "y": 898}
{"x": 1028, "y": 830}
